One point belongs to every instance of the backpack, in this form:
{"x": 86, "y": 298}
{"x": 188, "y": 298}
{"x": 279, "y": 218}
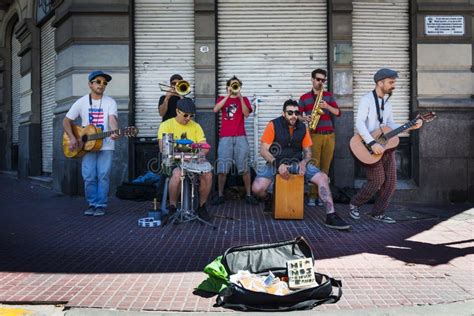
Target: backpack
{"x": 263, "y": 258}
{"x": 138, "y": 191}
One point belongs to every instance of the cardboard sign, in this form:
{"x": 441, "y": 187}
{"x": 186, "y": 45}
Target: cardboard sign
{"x": 300, "y": 273}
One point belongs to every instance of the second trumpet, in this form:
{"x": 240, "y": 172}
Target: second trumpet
{"x": 235, "y": 87}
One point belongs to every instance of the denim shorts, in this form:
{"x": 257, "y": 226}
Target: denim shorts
{"x": 269, "y": 172}
{"x": 233, "y": 150}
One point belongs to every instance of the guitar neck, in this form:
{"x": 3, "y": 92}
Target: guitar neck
{"x": 401, "y": 129}
{"x": 102, "y": 135}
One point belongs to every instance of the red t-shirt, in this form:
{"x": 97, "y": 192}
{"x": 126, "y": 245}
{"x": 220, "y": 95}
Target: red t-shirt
{"x": 233, "y": 117}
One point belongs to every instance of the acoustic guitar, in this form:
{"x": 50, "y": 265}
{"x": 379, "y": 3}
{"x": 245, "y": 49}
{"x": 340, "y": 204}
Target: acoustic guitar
{"x": 386, "y": 137}
{"x": 92, "y": 139}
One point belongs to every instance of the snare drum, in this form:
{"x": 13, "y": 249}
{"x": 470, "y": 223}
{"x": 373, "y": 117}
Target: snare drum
{"x": 197, "y": 167}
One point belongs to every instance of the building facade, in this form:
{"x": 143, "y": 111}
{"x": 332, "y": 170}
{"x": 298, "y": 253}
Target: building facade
{"x": 47, "y": 49}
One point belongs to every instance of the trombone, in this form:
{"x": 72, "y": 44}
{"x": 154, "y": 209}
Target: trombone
{"x": 181, "y": 88}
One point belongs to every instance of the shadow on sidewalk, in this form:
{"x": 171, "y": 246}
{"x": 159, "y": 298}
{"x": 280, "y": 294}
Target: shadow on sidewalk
{"x": 41, "y": 231}
{"x": 428, "y": 254}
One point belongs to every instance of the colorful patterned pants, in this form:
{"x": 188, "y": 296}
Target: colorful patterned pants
{"x": 382, "y": 177}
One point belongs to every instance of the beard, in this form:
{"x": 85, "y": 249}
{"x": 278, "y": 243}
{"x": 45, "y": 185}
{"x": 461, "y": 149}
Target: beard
{"x": 318, "y": 86}
{"x": 291, "y": 121}
{"x": 389, "y": 91}
{"x": 99, "y": 91}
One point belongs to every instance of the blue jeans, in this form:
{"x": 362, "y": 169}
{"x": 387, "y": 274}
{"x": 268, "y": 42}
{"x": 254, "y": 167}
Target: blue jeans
{"x": 96, "y": 172}
{"x": 269, "y": 172}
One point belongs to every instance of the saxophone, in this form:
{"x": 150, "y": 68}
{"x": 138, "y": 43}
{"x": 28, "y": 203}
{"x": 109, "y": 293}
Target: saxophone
{"x": 317, "y": 112}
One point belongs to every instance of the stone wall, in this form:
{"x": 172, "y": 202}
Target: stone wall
{"x": 445, "y": 84}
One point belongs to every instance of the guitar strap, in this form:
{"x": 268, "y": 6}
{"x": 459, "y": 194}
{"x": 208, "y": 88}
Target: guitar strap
{"x": 90, "y": 101}
{"x": 377, "y": 106}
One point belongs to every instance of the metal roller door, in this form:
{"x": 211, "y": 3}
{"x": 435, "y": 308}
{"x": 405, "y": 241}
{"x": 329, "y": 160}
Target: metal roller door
{"x": 48, "y": 82}
{"x": 272, "y": 46}
{"x": 380, "y": 38}
{"x": 164, "y": 45}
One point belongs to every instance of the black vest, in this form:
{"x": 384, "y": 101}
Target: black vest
{"x": 285, "y": 148}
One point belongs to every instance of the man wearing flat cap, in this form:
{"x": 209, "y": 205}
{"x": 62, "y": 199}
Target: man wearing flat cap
{"x": 183, "y": 126}
{"x": 100, "y": 110}
{"x": 375, "y": 110}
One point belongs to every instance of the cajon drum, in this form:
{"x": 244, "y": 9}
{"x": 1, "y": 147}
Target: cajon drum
{"x": 289, "y": 197}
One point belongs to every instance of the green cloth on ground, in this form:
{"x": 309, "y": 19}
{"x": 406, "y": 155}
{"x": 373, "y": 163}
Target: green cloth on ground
{"x": 217, "y": 277}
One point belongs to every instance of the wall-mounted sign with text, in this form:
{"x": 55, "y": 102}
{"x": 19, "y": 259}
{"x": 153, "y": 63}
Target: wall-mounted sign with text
{"x": 444, "y": 25}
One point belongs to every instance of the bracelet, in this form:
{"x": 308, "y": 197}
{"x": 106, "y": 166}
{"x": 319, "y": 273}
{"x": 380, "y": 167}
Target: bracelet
{"x": 372, "y": 143}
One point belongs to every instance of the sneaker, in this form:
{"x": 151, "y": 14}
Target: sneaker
{"x": 334, "y": 221}
{"x": 166, "y": 217}
{"x": 320, "y": 203}
{"x": 384, "y": 218}
{"x": 311, "y": 202}
{"x": 203, "y": 213}
{"x": 89, "y": 211}
{"x": 250, "y": 199}
{"x": 99, "y": 211}
{"x": 172, "y": 210}
{"x": 218, "y": 200}
{"x": 354, "y": 211}
{"x": 268, "y": 204}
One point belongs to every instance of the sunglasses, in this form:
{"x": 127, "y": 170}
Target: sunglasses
{"x": 100, "y": 82}
{"x": 320, "y": 80}
{"x": 291, "y": 112}
{"x": 186, "y": 115}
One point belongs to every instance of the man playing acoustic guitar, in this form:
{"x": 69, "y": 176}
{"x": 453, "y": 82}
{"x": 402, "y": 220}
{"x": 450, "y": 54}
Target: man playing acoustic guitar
{"x": 100, "y": 110}
{"x": 374, "y": 111}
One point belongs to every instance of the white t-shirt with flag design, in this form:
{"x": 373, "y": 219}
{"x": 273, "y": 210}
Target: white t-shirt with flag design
{"x": 96, "y": 113}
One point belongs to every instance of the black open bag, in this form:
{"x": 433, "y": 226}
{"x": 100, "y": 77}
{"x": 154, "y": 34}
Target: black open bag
{"x": 261, "y": 259}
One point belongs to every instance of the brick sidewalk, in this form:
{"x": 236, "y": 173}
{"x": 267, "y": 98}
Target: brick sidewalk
{"x": 50, "y": 252}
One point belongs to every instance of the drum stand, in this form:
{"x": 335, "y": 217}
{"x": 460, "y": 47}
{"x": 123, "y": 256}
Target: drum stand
{"x": 186, "y": 211}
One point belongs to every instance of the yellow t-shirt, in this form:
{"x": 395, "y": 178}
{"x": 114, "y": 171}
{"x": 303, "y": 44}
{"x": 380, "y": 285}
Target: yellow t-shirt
{"x": 192, "y": 130}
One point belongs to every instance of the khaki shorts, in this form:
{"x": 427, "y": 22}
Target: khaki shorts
{"x": 233, "y": 150}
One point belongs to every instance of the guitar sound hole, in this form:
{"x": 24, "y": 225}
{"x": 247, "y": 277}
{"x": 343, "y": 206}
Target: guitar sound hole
{"x": 84, "y": 138}
{"x": 382, "y": 140}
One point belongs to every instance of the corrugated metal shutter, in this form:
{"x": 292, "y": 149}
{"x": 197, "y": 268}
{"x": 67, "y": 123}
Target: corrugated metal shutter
{"x": 48, "y": 82}
{"x": 380, "y": 38}
{"x": 164, "y": 45}
{"x": 272, "y": 46}
{"x": 16, "y": 77}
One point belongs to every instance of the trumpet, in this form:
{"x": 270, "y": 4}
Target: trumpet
{"x": 235, "y": 87}
{"x": 181, "y": 88}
